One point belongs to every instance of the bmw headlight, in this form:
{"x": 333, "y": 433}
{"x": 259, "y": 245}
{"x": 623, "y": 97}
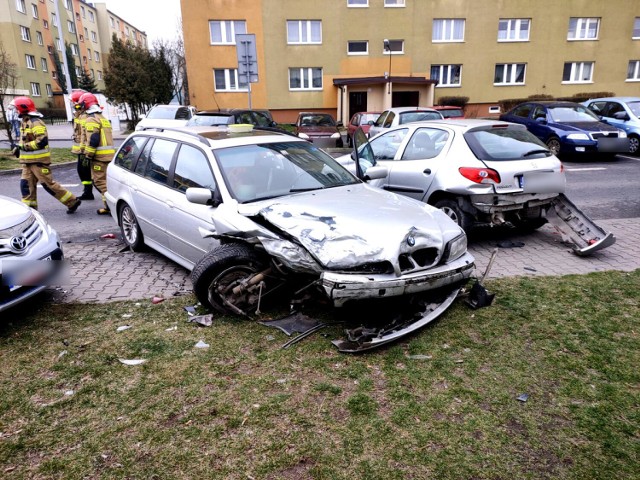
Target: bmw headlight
{"x": 578, "y": 136}
{"x": 303, "y": 135}
{"x": 455, "y": 248}
{"x": 622, "y": 134}
{"x": 336, "y": 135}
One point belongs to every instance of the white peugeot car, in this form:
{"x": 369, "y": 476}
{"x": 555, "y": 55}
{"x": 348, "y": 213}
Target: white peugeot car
{"x": 255, "y": 214}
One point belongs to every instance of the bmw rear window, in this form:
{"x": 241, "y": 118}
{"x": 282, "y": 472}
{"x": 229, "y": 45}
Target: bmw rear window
{"x": 505, "y": 143}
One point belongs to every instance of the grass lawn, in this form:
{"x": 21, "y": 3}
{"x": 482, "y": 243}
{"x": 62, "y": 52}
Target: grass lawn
{"x": 440, "y": 405}
{"x": 58, "y": 155}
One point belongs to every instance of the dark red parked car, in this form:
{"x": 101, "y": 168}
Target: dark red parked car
{"x": 362, "y": 120}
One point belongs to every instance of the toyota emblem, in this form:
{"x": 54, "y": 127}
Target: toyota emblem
{"x": 18, "y": 243}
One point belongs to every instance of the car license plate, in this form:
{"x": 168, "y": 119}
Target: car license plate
{"x": 613, "y": 145}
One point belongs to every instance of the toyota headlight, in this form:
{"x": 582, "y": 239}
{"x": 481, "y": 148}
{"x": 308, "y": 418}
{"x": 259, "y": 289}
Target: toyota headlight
{"x": 578, "y": 136}
{"x": 303, "y": 135}
{"x": 455, "y": 248}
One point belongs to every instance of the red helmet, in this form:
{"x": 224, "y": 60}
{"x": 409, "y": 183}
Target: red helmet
{"x": 24, "y": 105}
{"x": 87, "y": 100}
{"x": 75, "y": 95}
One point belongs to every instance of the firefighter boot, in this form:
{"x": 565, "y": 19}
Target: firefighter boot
{"x": 87, "y": 194}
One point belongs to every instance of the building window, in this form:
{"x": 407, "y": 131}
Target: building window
{"x": 94, "y": 37}
{"x": 25, "y": 33}
{"x": 307, "y": 78}
{"x": 39, "y": 38}
{"x": 78, "y": 71}
{"x": 223, "y": 32}
{"x": 394, "y": 47}
{"x": 448, "y": 30}
{"x": 74, "y": 49}
{"x": 577, "y": 72}
{"x": 92, "y": 17}
{"x": 636, "y": 29}
{"x": 112, "y": 22}
{"x": 71, "y": 26}
{"x": 31, "y": 62}
{"x": 304, "y": 31}
{"x": 83, "y": 12}
{"x": 35, "y": 89}
{"x": 509, "y": 74}
{"x": 357, "y": 47}
{"x": 583, "y": 28}
{"x": 96, "y": 55}
{"x": 84, "y": 60}
{"x": 633, "y": 72}
{"x": 49, "y": 90}
{"x": 394, "y": 3}
{"x": 54, "y": 20}
{"x": 54, "y": 74}
{"x": 226, "y": 80}
{"x": 45, "y": 24}
{"x": 447, "y": 75}
{"x": 99, "y": 74}
{"x": 357, "y": 3}
{"x": 59, "y": 44}
{"x": 67, "y": 4}
{"x": 513, "y": 30}
{"x": 20, "y": 6}
{"x": 34, "y": 10}
{"x": 43, "y": 62}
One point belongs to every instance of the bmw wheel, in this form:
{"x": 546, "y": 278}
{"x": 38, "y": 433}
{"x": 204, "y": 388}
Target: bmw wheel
{"x": 131, "y": 233}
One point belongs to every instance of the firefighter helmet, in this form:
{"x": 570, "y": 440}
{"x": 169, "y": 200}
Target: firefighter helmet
{"x": 24, "y": 105}
{"x": 87, "y": 100}
{"x": 75, "y": 95}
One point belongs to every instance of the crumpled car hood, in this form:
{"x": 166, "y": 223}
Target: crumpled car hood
{"x": 354, "y": 225}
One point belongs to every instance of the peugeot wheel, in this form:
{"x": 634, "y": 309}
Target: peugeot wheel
{"x": 455, "y": 213}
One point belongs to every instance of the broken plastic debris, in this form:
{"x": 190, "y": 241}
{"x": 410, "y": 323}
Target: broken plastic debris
{"x": 136, "y": 361}
{"x": 420, "y": 357}
{"x": 126, "y": 315}
{"x": 108, "y": 235}
{"x": 155, "y": 300}
{"x": 531, "y": 269}
{"x": 523, "y": 398}
{"x": 62, "y": 353}
{"x": 175, "y": 327}
{"x": 190, "y": 310}
{"x": 201, "y": 344}
{"x": 204, "y": 320}
{"x": 68, "y": 393}
{"x": 123, "y": 327}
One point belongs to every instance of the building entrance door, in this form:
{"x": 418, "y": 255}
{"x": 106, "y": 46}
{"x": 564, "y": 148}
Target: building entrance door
{"x": 405, "y": 99}
{"x": 357, "y": 103}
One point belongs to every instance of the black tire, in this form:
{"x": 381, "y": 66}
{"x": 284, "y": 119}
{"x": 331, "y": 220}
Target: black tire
{"x": 554, "y": 145}
{"x": 634, "y": 145}
{"x": 455, "y": 213}
{"x": 349, "y": 141}
{"x": 130, "y": 229}
{"x": 219, "y": 271}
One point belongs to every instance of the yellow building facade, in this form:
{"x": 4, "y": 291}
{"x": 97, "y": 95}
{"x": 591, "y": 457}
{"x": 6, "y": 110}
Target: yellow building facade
{"x": 342, "y": 56}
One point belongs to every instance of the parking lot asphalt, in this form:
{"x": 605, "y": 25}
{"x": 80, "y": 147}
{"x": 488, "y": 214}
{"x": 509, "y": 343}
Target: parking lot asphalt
{"x": 104, "y": 270}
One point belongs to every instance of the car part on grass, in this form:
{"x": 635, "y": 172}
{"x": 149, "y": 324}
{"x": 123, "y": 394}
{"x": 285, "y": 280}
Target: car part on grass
{"x": 202, "y": 320}
{"x": 296, "y": 322}
{"x": 577, "y": 229}
{"x": 478, "y": 295}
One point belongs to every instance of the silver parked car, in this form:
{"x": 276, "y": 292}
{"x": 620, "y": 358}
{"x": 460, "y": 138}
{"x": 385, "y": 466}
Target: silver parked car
{"x": 30, "y": 252}
{"x": 256, "y": 213}
{"x": 401, "y": 115}
{"x": 480, "y": 172}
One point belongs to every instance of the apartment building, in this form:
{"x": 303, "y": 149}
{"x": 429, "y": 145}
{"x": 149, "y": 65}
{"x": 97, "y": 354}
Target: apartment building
{"x": 34, "y": 32}
{"x": 344, "y": 56}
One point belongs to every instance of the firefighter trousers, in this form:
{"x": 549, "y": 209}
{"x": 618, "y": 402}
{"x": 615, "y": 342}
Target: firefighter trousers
{"x": 34, "y": 173}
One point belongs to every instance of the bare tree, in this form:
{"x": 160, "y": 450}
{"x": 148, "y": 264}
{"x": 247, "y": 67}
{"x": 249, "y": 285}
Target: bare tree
{"x": 8, "y": 77}
{"x": 174, "y": 52}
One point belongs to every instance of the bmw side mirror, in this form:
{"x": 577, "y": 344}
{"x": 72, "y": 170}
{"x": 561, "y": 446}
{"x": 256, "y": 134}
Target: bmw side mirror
{"x": 204, "y": 196}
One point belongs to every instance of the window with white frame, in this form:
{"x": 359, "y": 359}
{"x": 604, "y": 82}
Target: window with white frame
{"x": 21, "y": 6}
{"x": 54, "y": 20}
{"x": 448, "y": 30}
{"x": 633, "y": 71}
{"x": 357, "y": 47}
{"x": 71, "y": 26}
{"x": 304, "y": 31}
{"x": 513, "y": 29}
{"x": 226, "y": 80}
{"x": 94, "y": 37}
{"x": 112, "y": 22}
{"x": 583, "y": 28}
{"x": 305, "y": 78}
{"x": 447, "y": 75}
{"x": 39, "y": 38}
{"x": 92, "y": 73}
{"x": 25, "y": 34}
{"x": 83, "y": 11}
{"x": 84, "y": 60}
{"x": 394, "y": 47}
{"x": 636, "y": 29}
{"x": 31, "y": 62}
{"x": 59, "y": 44}
{"x": 99, "y": 74}
{"x": 509, "y": 74}
{"x": 54, "y": 74}
{"x": 45, "y": 24}
{"x": 35, "y": 89}
{"x": 34, "y": 10}
{"x": 44, "y": 64}
{"x": 78, "y": 71}
{"x": 394, "y": 3}
{"x": 96, "y": 56}
{"x": 357, "y": 3}
{"x": 67, "y": 4}
{"x": 74, "y": 49}
{"x": 49, "y": 90}
{"x": 92, "y": 17}
{"x": 577, "y": 72}
{"x": 223, "y": 32}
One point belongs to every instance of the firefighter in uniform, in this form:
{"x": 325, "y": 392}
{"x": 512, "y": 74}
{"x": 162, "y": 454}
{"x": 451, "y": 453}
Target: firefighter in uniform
{"x": 98, "y": 145}
{"x": 84, "y": 172}
{"x": 35, "y": 158}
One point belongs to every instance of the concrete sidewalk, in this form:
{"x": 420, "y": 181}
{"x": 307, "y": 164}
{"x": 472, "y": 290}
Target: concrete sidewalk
{"x": 63, "y": 131}
{"x": 103, "y": 270}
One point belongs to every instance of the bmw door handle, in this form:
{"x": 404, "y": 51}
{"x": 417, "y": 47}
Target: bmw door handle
{"x": 427, "y": 171}
{"x": 170, "y": 204}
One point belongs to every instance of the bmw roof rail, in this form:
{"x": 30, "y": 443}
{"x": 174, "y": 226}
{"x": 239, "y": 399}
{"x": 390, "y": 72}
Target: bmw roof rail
{"x": 201, "y": 138}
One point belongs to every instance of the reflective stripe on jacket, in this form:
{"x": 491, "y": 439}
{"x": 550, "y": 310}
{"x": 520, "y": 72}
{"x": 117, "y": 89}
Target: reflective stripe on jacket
{"x": 78, "y": 126}
{"x": 33, "y": 132}
{"x": 99, "y": 139}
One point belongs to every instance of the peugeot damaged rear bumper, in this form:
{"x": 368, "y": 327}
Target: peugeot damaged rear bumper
{"x": 344, "y": 287}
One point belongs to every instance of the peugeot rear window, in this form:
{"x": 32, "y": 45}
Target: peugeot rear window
{"x": 505, "y": 143}
{"x": 418, "y": 117}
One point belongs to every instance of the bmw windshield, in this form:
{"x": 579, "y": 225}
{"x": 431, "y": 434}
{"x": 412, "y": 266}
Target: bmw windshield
{"x": 258, "y": 172}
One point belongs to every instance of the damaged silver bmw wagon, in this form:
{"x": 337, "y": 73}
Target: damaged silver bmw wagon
{"x": 257, "y": 215}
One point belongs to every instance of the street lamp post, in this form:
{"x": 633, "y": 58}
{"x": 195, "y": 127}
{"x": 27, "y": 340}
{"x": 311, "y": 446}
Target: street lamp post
{"x": 387, "y": 48}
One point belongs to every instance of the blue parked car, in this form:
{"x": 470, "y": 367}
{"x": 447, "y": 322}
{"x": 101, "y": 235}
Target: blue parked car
{"x": 620, "y": 112}
{"x": 569, "y": 128}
